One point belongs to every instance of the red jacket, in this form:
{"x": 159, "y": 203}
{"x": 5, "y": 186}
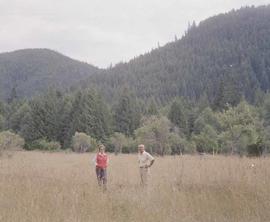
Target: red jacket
{"x": 102, "y": 160}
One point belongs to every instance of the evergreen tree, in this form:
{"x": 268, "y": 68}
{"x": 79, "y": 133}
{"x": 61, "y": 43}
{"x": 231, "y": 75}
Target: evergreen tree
{"x": 266, "y": 110}
{"x": 220, "y": 102}
{"x": 2, "y": 118}
{"x": 126, "y": 114}
{"x": 20, "y": 118}
{"x": 152, "y": 108}
{"x": 45, "y": 113}
{"x": 89, "y": 114}
{"x": 100, "y": 122}
{"x": 13, "y": 95}
{"x": 2, "y": 122}
{"x": 10, "y": 110}
{"x": 178, "y": 115}
{"x": 65, "y": 123}
{"x": 2, "y": 108}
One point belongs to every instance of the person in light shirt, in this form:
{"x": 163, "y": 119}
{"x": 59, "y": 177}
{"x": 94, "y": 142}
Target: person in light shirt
{"x": 145, "y": 162}
{"x": 101, "y": 161}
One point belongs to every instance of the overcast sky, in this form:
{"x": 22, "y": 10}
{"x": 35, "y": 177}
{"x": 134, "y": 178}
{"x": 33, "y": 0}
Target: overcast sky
{"x": 102, "y": 32}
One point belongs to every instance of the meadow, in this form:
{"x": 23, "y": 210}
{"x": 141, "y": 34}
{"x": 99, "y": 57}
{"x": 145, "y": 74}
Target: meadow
{"x": 36, "y": 186}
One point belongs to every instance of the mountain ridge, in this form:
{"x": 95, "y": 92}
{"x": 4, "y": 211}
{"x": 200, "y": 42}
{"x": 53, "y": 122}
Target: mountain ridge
{"x": 226, "y": 56}
{"x": 231, "y": 48}
{"x": 33, "y": 71}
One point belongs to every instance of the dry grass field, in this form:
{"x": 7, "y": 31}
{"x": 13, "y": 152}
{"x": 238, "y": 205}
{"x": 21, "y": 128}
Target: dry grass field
{"x": 37, "y": 186}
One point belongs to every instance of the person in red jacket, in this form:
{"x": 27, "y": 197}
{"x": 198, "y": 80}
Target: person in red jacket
{"x": 101, "y": 161}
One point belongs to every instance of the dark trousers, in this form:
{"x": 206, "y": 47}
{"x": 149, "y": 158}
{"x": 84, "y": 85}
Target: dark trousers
{"x": 101, "y": 176}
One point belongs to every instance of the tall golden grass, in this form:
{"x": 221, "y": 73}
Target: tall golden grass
{"x": 37, "y": 186}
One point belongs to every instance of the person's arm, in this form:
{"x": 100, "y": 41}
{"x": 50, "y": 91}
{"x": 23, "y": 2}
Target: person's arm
{"x": 95, "y": 160}
{"x": 151, "y": 159}
{"x": 151, "y": 162}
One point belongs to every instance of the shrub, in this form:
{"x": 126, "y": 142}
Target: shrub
{"x": 154, "y": 134}
{"x": 10, "y": 141}
{"x": 121, "y": 143}
{"x": 82, "y": 142}
{"x": 43, "y": 144}
{"x": 180, "y": 145}
{"x": 255, "y": 149}
{"x": 2, "y": 122}
{"x": 130, "y": 148}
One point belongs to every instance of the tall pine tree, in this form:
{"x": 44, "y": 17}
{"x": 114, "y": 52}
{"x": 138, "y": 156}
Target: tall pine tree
{"x": 126, "y": 114}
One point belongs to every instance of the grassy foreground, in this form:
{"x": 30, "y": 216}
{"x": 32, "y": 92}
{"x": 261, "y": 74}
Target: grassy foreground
{"x": 37, "y": 186}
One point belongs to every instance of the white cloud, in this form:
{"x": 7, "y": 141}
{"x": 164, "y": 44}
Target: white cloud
{"x": 102, "y": 31}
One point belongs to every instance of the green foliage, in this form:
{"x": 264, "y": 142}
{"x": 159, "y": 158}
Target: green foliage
{"x": 155, "y": 134}
{"x": 266, "y": 109}
{"x": 227, "y": 94}
{"x": 255, "y": 149}
{"x": 2, "y": 123}
{"x": 152, "y": 108}
{"x": 266, "y": 139}
{"x": 131, "y": 147}
{"x": 89, "y": 114}
{"x": 206, "y": 117}
{"x": 45, "y": 117}
{"x": 122, "y": 143}
{"x": 13, "y": 95}
{"x": 65, "y": 122}
{"x": 82, "y": 142}
{"x": 118, "y": 140}
{"x": 207, "y": 140}
{"x": 241, "y": 127}
{"x": 206, "y": 129}
{"x": 234, "y": 130}
{"x": 2, "y": 107}
{"x": 19, "y": 118}
{"x": 180, "y": 145}
{"x": 126, "y": 114}
{"x": 178, "y": 114}
{"x": 10, "y": 141}
{"x": 43, "y": 144}
{"x": 57, "y": 117}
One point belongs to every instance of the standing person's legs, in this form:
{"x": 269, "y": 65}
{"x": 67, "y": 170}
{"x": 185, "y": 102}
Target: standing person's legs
{"x": 141, "y": 175}
{"x": 98, "y": 173}
{"x": 144, "y": 176}
{"x": 104, "y": 178}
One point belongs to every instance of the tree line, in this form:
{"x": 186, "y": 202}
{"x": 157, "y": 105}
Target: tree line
{"x": 82, "y": 119}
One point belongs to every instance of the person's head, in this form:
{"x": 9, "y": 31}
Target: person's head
{"x": 101, "y": 148}
{"x": 141, "y": 148}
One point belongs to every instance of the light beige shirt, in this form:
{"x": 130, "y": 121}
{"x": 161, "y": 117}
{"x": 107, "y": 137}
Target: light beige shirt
{"x": 144, "y": 159}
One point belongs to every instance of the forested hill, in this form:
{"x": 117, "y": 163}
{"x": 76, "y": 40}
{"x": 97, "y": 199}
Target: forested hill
{"x": 30, "y": 71}
{"x": 225, "y": 58}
